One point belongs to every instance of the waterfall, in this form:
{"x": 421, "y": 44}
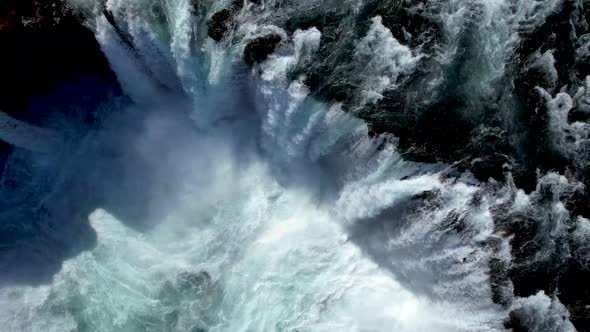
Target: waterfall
{"x": 273, "y": 201}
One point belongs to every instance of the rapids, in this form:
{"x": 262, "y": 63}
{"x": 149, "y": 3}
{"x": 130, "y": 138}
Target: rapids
{"x": 271, "y": 208}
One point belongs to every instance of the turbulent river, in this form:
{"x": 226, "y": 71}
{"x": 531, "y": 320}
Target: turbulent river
{"x": 268, "y": 204}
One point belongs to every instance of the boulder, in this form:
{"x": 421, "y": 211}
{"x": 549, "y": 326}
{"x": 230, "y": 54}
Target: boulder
{"x": 260, "y": 48}
{"x": 219, "y": 24}
{"x": 488, "y": 153}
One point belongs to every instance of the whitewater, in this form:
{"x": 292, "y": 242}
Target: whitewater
{"x": 271, "y": 210}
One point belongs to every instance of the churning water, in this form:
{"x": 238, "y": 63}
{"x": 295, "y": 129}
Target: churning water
{"x": 270, "y": 209}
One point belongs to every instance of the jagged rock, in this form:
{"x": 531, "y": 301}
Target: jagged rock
{"x": 500, "y": 281}
{"x": 488, "y": 154}
{"x": 516, "y": 323}
{"x": 579, "y": 202}
{"x": 426, "y": 200}
{"x": 428, "y": 195}
{"x": 437, "y": 133}
{"x": 574, "y": 292}
{"x": 408, "y": 21}
{"x": 578, "y": 114}
{"x": 222, "y": 21}
{"x": 553, "y": 38}
{"x": 260, "y": 48}
{"x": 219, "y": 24}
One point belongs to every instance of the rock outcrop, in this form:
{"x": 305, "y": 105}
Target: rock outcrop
{"x": 219, "y": 24}
{"x": 260, "y": 48}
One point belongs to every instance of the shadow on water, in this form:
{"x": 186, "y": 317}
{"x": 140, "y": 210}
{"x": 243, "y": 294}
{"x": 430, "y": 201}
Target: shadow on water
{"x": 373, "y": 236}
{"x": 429, "y": 251}
{"x": 130, "y": 160}
{"x": 45, "y": 199}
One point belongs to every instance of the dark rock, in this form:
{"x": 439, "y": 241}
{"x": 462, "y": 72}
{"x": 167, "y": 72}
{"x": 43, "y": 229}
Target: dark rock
{"x": 554, "y": 34}
{"x": 516, "y": 323}
{"x": 488, "y": 154}
{"x": 544, "y": 259}
{"x": 489, "y": 167}
{"x": 437, "y": 133}
{"x": 409, "y": 21}
{"x": 428, "y": 195}
{"x": 579, "y": 203}
{"x": 530, "y": 119}
{"x": 425, "y": 201}
{"x": 577, "y": 114}
{"x": 574, "y": 292}
{"x": 321, "y": 21}
{"x": 125, "y": 38}
{"x": 219, "y": 24}
{"x": 437, "y": 124}
{"x": 237, "y": 4}
{"x": 500, "y": 281}
{"x": 260, "y": 48}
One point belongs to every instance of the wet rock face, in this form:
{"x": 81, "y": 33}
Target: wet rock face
{"x": 260, "y": 48}
{"x": 574, "y": 291}
{"x": 545, "y": 252}
{"x": 222, "y": 22}
{"x": 489, "y": 153}
{"x": 219, "y": 24}
{"x": 432, "y": 124}
{"x": 409, "y": 21}
{"x": 558, "y": 38}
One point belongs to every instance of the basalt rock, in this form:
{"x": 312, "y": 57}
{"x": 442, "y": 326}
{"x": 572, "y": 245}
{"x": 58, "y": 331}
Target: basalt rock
{"x": 555, "y": 38}
{"x": 219, "y": 24}
{"x": 409, "y": 21}
{"x": 552, "y": 263}
{"x": 260, "y": 48}
{"x": 488, "y": 153}
{"x": 574, "y": 292}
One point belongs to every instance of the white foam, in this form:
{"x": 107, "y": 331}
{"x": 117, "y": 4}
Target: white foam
{"x": 278, "y": 255}
{"x": 381, "y": 59}
{"x": 581, "y": 237}
{"x": 571, "y": 139}
{"x": 540, "y": 312}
